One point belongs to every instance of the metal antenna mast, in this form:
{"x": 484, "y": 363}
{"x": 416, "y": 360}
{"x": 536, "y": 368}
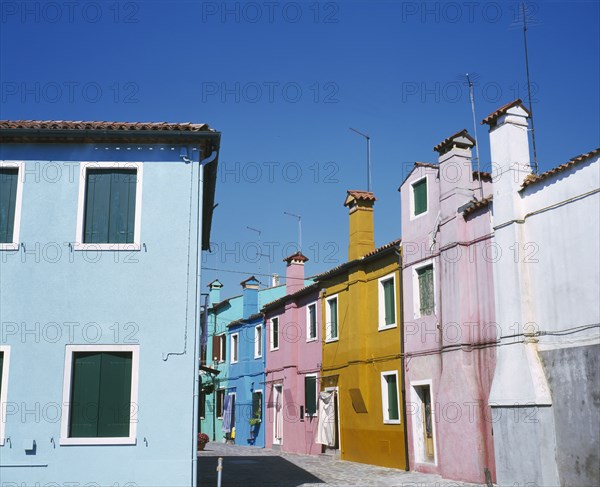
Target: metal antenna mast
{"x": 259, "y": 245}
{"x": 535, "y": 164}
{"x": 368, "y": 157}
{"x": 472, "y": 96}
{"x": 299, "y": 228}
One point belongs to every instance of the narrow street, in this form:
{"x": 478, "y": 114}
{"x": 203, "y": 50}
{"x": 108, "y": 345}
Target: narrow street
{"x": 259, "y": 467}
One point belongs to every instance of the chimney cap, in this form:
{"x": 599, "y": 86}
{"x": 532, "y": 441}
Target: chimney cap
{"x": 461, "y": 139}
{"x": 492, "y": 117}
{"x": 215, "y": 284}
{"x": 249, "y": 282}
{"x": 358, "y": 195}
{"x": 298, "y": 256}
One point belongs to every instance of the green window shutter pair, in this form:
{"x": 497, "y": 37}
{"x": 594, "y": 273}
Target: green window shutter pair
{"x": 8, "y": 200}
{"x": 310, "y": 394}
{"x": 426, "y": 296}
{"x": 390, "y": 302}
{"x": 333, "y": 317}
{"x": 392, "y": 396}
{"x": 420, "y": 196}
{"x": 100, "y": 395}
{"x": 110, "y": 206}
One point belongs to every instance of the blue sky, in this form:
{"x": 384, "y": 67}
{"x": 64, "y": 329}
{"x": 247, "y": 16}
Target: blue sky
{"x": 283, "y": 82}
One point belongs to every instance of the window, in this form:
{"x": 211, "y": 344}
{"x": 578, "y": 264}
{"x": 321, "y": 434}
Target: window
{"x": 389, "y": 397}
{"x": 4, "y": 363}
{"x": 257, "y": 404}
{"x": 419, "y": 197}
{"x": 11, "y": 190}
{"x": 331, "y": 315}
{"x": 258, "y": 341}
{"x": 235, "y": 339}
{"x": 220, "y": 402}
{"x": 275, "y": 334}
{"x": 202, "y": 406}
{"x": 425, "y": 290}
{"x": 100, "y": 390}
{"x": 109, "y": 212}
{"x": 219, "y": 346}
{"x": 310, "y": 394}
{"x": 311, "y": 322}
{"x": 387, "y": 302}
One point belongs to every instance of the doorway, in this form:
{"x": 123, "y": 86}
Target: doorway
{"x": 336, "y": 421}
{"x": 424, "y": 423}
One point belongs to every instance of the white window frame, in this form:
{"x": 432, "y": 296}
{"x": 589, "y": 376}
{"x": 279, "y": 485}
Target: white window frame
{"x": 258, "y": 338}
{"x": 381, "y": 302}
{"x": 416, "y": 294}
{"x": 66, "y": 414}
{"x": 262, "y": 402}
{"x": 20, "y": 166}
{"x": 235, "y": 348}
{"x": 222, "y": 343}
{"x": 222, "y": 402}
{"x": 412, "y": 197}
{"x": 84, "y": 166}
{"x": 271, "y": 347}
{"x": 5, "y": 349}
{"x": 417, "y": 422}
{"x": 316, "y": 413}
{"x": 308, "y": 337}
{"x": 328, "y": 337}
{"x": 384, "y": 397}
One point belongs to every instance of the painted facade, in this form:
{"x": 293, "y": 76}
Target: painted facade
{"x": 449, "y": 314}
{"x": 545, "y": 387}
{"x": 100, "y": 260}
{"x": 293, "y": 359}
{"x": 362, "y": 336}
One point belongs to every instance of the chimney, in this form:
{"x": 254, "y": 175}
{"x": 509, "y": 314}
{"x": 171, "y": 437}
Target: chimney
{"x": 250, "y": 296}
{"x": 456, "y": 172}
{"x": 294, "y": 274}
{"x": 215, "y": 292}
{"x": 509, "y": 147}
{"x": 275, "y": 280}
{"x": 362, "y": 235}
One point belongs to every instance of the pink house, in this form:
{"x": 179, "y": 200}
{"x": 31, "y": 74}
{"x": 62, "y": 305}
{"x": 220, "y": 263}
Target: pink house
{"x": 293, "y": 362}
{"x": 449, "y": 328}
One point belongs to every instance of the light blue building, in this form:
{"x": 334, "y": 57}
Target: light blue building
{"x": 101, "y": 229}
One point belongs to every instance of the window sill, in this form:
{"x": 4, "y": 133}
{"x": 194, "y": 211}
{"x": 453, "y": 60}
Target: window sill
{"x": 107, "y": 246}
{"x": 274, "y": 349}
{"x": 415, "y": 217}
{"x": 387, "y": 327}
{"x": 97, "y": 441}
{"x": 257, "y": 356}
{"x": 308, "y": 340}
{"x": 9, "y": 246}
{"x": 391, "y": 421}
{"x": 330, "y": 340}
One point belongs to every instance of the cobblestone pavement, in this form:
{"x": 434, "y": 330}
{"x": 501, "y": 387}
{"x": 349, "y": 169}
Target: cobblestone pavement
{"x": 249, "y": 467}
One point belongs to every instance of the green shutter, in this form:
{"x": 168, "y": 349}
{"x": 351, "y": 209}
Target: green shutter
{"x": 333, "y": 317}
{"x": 310, "y": 394}
{"x": 426, "y": 295}
{"x": 8, "y": 199}
{"x": 85, "y": 393}
{"x": 420, "y": 196}
{"x": 390, "y": 301}
{"x": 392, "y": 394}
{"x": 110, "y": 206}
{"x": 115, "y": 395}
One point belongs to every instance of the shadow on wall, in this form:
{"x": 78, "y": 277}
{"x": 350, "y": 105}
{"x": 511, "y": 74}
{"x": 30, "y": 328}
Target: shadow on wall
{"x": 253, "y": 471}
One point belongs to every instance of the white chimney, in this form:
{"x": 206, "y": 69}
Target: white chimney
{"x": 275, "y": 280}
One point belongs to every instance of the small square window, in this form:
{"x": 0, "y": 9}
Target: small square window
{"x": 419, "y": 196}
{"x": 311, "y": 322}
{"x": 100, "y": 389}
{"x": 109, "y": 211}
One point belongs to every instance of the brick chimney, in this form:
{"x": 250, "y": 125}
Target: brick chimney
{"x": 250, "y": 296}
{"x": 362, "y": 234}
{"x": 294, "y": 274}
{"x": 214, "y": 294}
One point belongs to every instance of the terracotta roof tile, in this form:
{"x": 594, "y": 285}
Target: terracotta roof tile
{"x": 484, "y": 176}
{"x": 289, "y": 297}
{"x": 476, "y": 205}
{"x": 361, "y": 195}
{"x": 534, "y": 178}
{"x": 97, "y": 125}
{"x": 297, "y": 256}
{"x": 492, "y": 117}
{"x": 448, "y": 141}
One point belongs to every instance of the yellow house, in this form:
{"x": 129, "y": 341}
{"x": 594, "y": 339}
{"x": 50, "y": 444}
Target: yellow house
{"x": 362, "y": 336}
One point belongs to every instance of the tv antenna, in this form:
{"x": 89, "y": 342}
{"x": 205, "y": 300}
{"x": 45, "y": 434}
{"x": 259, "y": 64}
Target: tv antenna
{"x": 259, "y": 253}
{"x": 299, "y": 228}
{"x": 368, "y": 157}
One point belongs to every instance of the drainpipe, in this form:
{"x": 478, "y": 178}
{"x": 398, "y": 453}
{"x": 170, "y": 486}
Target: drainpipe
{"x": 201, "y": 164}
{"x": 403, "y": 356}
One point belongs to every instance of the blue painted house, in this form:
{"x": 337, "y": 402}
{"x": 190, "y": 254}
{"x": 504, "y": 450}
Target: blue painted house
{"x": 247, "y": 370}
{"x": 101, "y": 230}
